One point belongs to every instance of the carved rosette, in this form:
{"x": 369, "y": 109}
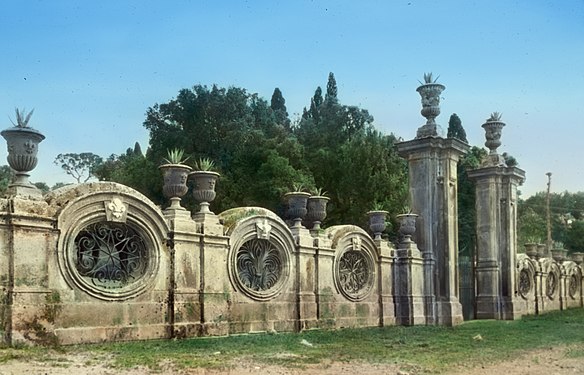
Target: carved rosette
{"x": 204, "y": 188}
{"x": 110, "y": 255}
{"x": 261, "y": 247}
{"x": 259, "y": 265}
{"x": 355, "y": 270}
{"x": 525, "y": 283}
{"x": 112, "y": 240}
{"x": 551, "y": 285}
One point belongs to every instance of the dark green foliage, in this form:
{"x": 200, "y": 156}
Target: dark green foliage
{"x": 315, "y": 103}
{"x": 574, "y": 240}
{"x": 466, "y": 201}
{"x": 331, "y": 90}
{"x": 254, "y": 151}
{"x": 260, "y": 157}
{"x": 566, "y": 212}
{"x": 510, "y": 160}
{"x": 531, "y": 227}
{"x": 42, "y": 186}
{"x": 357, "y": 165}
{"x": 455, "y": 129}
{"x": 138, "y": 149}
{"x": 135, "y": 170}
{"x": 6, "y": 176}
{"x": 278, "y": 105}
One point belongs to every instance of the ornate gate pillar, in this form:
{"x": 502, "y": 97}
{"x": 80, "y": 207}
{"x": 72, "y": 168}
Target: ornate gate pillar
{"x": 496, "y": 207}
{"x": 433, "y": 191}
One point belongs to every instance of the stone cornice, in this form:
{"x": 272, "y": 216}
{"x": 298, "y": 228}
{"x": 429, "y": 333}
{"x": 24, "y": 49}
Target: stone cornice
{"x": 407, "y": 148}
{"x": 515, "y": 174}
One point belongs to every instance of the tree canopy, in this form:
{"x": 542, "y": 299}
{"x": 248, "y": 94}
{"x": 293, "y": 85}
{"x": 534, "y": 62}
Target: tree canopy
{"x": 79, "y": 166}
{"x": 455, "y": 129}
{"x": 260, "y": 154}
{"x": 567, "y": 219}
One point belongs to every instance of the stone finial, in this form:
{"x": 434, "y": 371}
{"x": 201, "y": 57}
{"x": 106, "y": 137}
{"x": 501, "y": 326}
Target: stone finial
{"x": 430, "y": 92}
{"x": 493, "y": 127}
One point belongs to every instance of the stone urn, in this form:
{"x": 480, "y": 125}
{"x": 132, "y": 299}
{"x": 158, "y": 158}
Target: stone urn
{"x": 493, "y": 131}
{"x": 175, "y": 183}
{"x": 297, "y": 202}
{"x": 204, "y": 188}
{"x": 22, "y": 143}
{"x": 578, "y": 258}
{"x": 493, "y": 128}
{"x": 316, "y": 210}
{"x": 407, "y": 226}
{"x": 377, "y": 222}
{"x": 531, "y": 250}
{"x": 559, "y": 255}
{"x": 430, "y": 93}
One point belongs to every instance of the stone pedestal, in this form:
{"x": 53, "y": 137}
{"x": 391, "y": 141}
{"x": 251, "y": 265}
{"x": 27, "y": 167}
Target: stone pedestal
{"x": 386, "y": 262}
{"x": 187, "y": 298}
{"x": 213, "y": 250}
{"x": 305, "y": 261}
{"x": 432, "y": 164}
{"x": 409, "y": 285}
{"x": 496, "y": 206}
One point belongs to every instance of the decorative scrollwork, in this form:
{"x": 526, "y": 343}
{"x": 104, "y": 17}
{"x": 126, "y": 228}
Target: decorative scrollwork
{"x": 354, "y": 273}
{"x": 574, "y": 287}
{"x": 551, "y": 285}
{"x": 110, "y": 255}
{"x": 525, "y": 283}
{"x": 259, "y": 265}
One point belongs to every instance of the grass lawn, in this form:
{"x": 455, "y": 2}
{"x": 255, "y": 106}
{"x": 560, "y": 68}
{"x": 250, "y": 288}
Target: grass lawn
{"x": 433, "y": 349}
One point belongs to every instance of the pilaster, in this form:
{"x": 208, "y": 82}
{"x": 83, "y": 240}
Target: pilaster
{"x": 215, "y": 297}
{"x": 386, "y": 262}
{"x": 496, "y": 207}
{"x": 305, "y": 277}
{"x": 409, "y": 285}
{"x": 433, "y": 190}
{"x": 187, "y": 302}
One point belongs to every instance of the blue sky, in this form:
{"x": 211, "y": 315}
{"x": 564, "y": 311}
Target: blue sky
{"x": 90, "y": 69}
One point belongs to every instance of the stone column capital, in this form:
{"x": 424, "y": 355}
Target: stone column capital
{"x": 450, "y": 147}
{"x": 514, "y": 175}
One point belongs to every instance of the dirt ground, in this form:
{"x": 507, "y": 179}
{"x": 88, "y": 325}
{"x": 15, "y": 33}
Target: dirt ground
{"x": 541, "y": 362}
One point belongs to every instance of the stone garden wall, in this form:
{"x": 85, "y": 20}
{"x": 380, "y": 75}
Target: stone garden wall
{"x": 545, "y": 284}
{"x": 100, "y": 262}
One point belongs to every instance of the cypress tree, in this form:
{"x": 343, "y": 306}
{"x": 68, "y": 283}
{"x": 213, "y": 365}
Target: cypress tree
{"x": 455, "y": 129}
